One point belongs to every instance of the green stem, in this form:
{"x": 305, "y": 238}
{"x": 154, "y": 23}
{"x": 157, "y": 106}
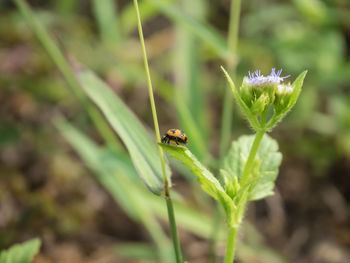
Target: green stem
{"x": 174, "y": 234}
{"x": 231, "y": 239}
{"x": 231, "y": 245}
{"x": 231, "y": 61}
{"x": 150, "y": 89}
{"x": 249, "y": 164}
{"x": 170, "y": 208}
{"x": 263, "y": 118}
{"x": 145, "y": 216}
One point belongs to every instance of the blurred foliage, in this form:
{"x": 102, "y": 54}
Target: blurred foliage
{"x": 44, "y": 190}
{"x": 20, "y": 253}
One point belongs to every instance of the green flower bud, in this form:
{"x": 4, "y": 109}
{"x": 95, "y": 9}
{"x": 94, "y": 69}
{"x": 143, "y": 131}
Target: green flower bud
{"x": 260, "y": 104}
{"x": 282, "y": 97}
{"x": 258, "y": 91}
{"x": 246, "y": 93}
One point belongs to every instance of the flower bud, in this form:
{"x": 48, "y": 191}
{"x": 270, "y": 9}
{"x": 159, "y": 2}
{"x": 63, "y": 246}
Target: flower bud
{"x": 258, "y": 91}
{"x": 282, "y": 97}
{"x": 247, "y": 93}
{"x": 260, "y": 104}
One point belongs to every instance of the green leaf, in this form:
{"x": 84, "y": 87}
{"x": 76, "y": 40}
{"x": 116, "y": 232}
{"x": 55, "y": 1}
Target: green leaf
{"x": 251, "y": 118}
{"x": 266, "y": 164}
{"x": 141, "y": 147}
{"x": 297, "y": 86}
{"x": 20, "y": 253}
{"x": 209, "y": 183}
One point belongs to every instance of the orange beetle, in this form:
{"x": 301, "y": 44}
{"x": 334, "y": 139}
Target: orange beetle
{"x": 175, "y": 135}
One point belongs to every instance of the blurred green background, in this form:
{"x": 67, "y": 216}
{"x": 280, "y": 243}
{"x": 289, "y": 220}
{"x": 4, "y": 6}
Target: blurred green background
{"x": 55, "y": 191}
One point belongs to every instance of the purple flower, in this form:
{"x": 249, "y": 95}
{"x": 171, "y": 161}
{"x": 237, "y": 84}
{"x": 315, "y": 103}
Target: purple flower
{"x": 256, "y": 79}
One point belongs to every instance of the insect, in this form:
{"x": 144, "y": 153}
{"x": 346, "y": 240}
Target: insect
{"x": 175, "y": 135}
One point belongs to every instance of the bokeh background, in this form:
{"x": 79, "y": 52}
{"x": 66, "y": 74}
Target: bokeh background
{"x": 47, "y": 190}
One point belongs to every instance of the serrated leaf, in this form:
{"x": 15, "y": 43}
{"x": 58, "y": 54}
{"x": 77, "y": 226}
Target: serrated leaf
{"x": 141, "y": 147}
{"x": 266, "y": 164}
{"x": 209, "y": 183}
{"x": 20, "y": 253}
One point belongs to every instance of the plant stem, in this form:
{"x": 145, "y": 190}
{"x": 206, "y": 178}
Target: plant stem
{"x": 231, "y": 245}
{"x": 174, "y": 234}
{"x": 169, "y": 203}
{"x": 231, "y": 61}
{"x": 232, "y": 234}
{"x": 150, "y": 89}
{"x": 249, "y": 164}
{"x": 263, "y": 118}
{"x": 145, "y": 215}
